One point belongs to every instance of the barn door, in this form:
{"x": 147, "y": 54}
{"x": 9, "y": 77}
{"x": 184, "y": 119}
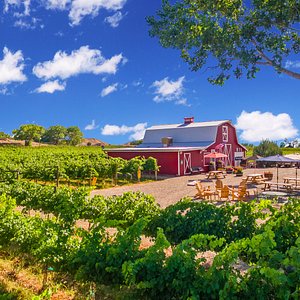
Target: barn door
{"x": 228, "y": 152}
{"x": 187, "y": 163}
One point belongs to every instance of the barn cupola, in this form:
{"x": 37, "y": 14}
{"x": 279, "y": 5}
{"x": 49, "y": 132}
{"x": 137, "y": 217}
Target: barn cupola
{"x": 188, "y": 120}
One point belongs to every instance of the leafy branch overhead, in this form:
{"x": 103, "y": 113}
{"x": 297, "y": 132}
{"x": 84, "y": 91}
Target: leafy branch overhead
{"x": 230, "y": 37}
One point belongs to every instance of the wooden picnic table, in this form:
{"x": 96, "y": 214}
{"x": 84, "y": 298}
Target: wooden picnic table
{"x": 286, "y": 186}
{"x": 291, "y": 180}
{"x": 215, "y": 174}
{"x": 255, "y": 178}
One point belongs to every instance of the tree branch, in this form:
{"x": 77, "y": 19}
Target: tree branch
{"x": 269, "y": 62}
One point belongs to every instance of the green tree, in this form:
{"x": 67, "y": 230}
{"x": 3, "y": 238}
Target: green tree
{"x": 54, "y": 134}
{"x": 74, "y": 135}
{"x": 231, "y": 37}
{"x": 267, "y": 148}
{"x": 4, "y": 135}
{"x": 29, "y": 133}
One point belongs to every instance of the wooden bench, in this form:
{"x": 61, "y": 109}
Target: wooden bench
{"x": 286, "y": 186}
{"x": 196, "y": 170}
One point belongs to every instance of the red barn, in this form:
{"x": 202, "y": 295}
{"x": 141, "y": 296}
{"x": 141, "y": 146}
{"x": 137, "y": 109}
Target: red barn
{"x": 180, "y": 147}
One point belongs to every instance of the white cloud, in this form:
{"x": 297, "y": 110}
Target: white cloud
{"x": 182, "y": 101}
{"x": 57, "y": 4}
{"x": 292, "y": 64}
{"x": 11, "y": 67}
{"x": 168, "y": 90}
{"x": 25, "y": 4}
{"x": 51, "y": 87}
{"x": 83, "y": 60}
{"x": 137, "y": 131}
{"x": 256, "y": 126}
{"x": 137, "y": 83}
{"x": 91, "y": 126}
{"x": 78, "y": 9}
{"x": 109, "y": 89}
{"x": 4, "y": 91}
{"x": 28, "y": 23}
{"x": 82, "y": 8}
{"x": 115, "y": 19}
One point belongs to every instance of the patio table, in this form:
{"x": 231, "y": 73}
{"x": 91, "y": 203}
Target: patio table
{"x": 215, "y": 174}
{"x": 255, "y": 178}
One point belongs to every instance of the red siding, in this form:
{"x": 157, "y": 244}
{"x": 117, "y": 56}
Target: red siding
{"x": 168, "y": 161}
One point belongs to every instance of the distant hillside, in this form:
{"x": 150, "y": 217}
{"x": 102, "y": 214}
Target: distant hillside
{"x": 92, "y": 142}
{"x": 12, "y": 142}
{"x": 85, "y": 142}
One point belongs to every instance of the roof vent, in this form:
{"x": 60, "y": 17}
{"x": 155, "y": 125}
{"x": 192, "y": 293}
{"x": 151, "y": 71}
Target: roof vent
{"x": 189, "y": 120}
{"x": 167, "y": 141}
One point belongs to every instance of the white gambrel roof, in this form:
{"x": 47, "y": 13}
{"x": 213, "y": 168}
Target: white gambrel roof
{"x": 197, "y": 134}
{"x": 190, "y": 125}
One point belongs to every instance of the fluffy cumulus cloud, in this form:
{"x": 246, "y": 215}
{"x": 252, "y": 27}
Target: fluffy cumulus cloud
{"x": 256, "y": 126}
{"x": 109, "y": 89}
{"x": 91, "y": 126}
{"x": 136, "y": 132}
{"x": 83, "y": 60}
{"x": 168, "y": 90}
{"x": 115, "y": 19}
{"x": 51, "y": 86}
{"x": 11, "y": 67}
{"x": 82, "y": 8}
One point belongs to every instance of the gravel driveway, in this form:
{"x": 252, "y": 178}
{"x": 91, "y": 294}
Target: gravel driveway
{"x": 171, "y": 190}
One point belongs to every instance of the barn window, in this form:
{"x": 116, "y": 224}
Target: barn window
{"x": 225, "y": 133}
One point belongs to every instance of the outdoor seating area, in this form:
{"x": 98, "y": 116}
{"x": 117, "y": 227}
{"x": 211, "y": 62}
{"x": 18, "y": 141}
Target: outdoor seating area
{"x": 222, "y": 192}
{"x": 252, "y": 185}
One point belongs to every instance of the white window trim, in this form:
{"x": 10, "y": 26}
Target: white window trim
{"x": 225, "y": 133}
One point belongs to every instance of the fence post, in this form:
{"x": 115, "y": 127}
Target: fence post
{"x": 90, "y": 180}
{"x": 57, "y": 176}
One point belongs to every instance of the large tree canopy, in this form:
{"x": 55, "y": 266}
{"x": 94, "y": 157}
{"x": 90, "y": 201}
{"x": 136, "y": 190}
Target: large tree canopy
{"x": 54, "y": 134}
{"x": 231, "y": 37}
{"x": 29, "y": 133}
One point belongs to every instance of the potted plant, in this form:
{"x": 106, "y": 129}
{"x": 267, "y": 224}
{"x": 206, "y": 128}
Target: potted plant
{"x": 229, "y": 169}
{"x": 211, "y": 166}
{"x": 238, "y": 171}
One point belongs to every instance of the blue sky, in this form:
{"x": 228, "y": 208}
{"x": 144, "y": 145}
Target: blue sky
{"x": 93, "y": 64}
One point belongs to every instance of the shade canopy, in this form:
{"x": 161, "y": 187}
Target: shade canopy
{"x": 215, "y": 155}
{"x": 277, "y": 159}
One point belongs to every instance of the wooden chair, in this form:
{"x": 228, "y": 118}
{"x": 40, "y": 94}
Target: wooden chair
{"x": 224, "y": 192}
{"x": 219, "y": 184}
{"x": 243, "y": 183}
{"x": 240, "y": 194}
{"x": 200, "y": 191}
{"x": 204, "y": 193}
